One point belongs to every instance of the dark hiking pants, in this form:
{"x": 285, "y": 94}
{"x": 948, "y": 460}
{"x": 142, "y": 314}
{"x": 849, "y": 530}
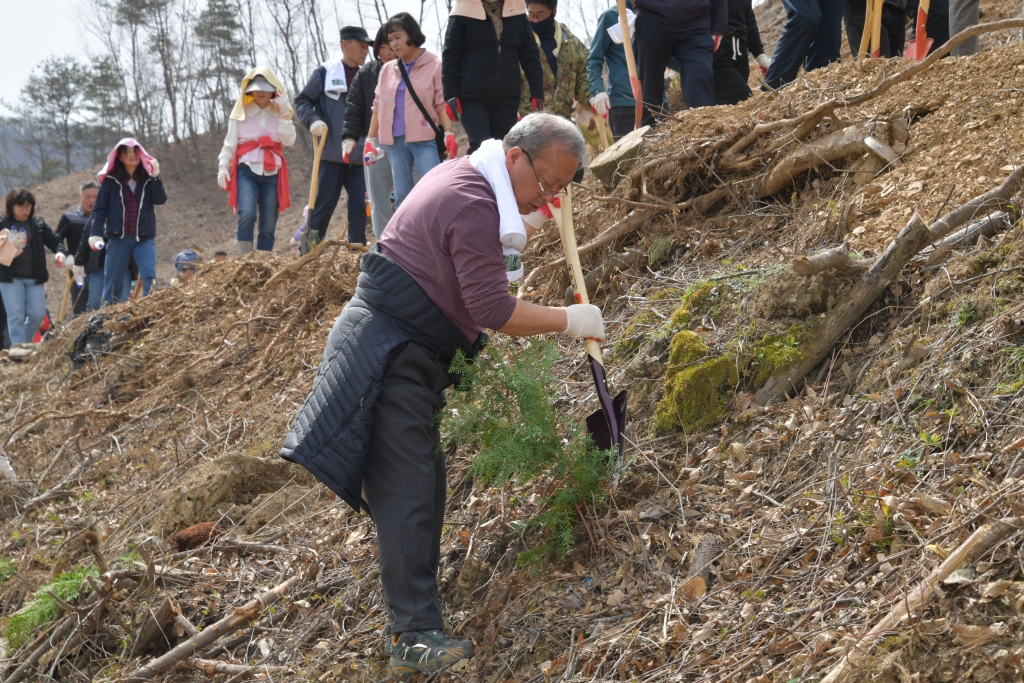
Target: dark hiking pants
{"x": 404, "y": 484}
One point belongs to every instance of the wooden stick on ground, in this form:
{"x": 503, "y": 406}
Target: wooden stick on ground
{"x": 978, "y": 542}
{"x": 210, "y": 634}
{"x": 837, "y": 258}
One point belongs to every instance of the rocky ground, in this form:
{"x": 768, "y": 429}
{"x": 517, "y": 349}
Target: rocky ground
{"x": 859, "y": 521}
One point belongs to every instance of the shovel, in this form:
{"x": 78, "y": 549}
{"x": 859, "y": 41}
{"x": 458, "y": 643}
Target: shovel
{"x": 921, "y": 44}
{"x": 67, "y": 295}
{"x": 634, "y": 80}
{"x": 602, "y": 132}
{"x": 870, "y": 39}
{"x": 606, "y": 426}
{"x": 309, "y": 238}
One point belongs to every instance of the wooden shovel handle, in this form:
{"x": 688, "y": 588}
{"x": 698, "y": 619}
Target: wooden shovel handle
{"x": 572, "y": 257}
{"x": 318, "y": 147}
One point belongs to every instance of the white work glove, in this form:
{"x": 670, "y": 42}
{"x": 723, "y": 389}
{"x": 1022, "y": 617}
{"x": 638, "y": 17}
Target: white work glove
{"x": 583, "y": 119}
{"x": 585, "y": 322}
{"x": 222, "y": 180}
{"x": 347, "y": 145}
{"x": 156, "y": 167}
{"x": 79, "y": 273}
{"x": 318, "y": 128}
{"x": 600, "y": 104}
{"x": 763, "y": 62}
{"x": 95, "y": 242}
{"x": 60, "y": 260}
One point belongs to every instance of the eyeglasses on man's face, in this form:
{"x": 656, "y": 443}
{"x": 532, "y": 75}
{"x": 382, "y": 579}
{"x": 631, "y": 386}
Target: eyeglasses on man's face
{"x": 544, "y": 192}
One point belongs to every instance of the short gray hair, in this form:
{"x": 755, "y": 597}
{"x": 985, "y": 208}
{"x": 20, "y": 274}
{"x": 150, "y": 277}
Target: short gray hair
{"x": 88, "y": 185}
{"x": 537, "y": 132}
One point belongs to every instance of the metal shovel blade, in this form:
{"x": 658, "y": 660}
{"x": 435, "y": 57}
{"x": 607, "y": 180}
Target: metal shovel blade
{"x": 918, "y": 48}
{"x": 921, "y": 44}
{"x": 607, "y": 426}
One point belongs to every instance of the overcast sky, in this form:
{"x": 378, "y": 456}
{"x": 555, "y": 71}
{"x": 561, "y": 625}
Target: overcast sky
{"x": 34, "y": 30}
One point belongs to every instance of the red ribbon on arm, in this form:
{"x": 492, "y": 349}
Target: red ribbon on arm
{"x": 270, "y": 148}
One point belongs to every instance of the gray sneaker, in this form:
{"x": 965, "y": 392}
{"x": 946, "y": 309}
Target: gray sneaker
{"x": 426, "y": 652}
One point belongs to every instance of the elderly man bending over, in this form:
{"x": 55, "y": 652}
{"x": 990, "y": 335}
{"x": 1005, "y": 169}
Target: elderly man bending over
{"x": 435, "y": 280}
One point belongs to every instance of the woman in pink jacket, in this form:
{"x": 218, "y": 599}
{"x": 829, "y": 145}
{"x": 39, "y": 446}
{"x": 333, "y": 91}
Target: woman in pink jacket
{"x": 403, "y": 131}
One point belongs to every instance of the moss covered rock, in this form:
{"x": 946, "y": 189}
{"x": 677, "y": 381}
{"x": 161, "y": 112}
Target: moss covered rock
{"x": 776, "y": 353}
{"x": 696, "y": 387}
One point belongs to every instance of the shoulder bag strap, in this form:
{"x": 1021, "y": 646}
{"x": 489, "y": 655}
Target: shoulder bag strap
{"x": 415, "y": 97}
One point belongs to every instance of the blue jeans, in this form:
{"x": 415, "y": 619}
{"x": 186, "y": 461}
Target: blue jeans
{"x": 119, "y": 251}
{"x": 96, "y": 290}
{"x": 256, "y": 190}
{"x": 811, "y": 38}
{"x": 402, "y": 155}
{"x": 693, "y": 49}
{"x": 25, "y": 302}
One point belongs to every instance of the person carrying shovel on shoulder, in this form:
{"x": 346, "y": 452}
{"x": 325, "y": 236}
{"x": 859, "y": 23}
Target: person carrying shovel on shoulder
{"x": 436, "y": 279}
{"x": 252, "y": 167}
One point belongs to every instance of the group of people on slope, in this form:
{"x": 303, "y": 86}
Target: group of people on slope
{"x": 108, "y": 241}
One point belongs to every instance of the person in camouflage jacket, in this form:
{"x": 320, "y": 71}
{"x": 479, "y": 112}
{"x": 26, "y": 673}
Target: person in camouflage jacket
{"x": 567, "y": 81}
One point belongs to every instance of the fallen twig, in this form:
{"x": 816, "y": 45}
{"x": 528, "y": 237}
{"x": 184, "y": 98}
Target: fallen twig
{"x": 210, "y": 634}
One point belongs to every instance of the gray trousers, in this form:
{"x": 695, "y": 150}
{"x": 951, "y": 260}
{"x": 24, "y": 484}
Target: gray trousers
{"x": 964, "y": 14}
{"x": 405, "y": 487}
{"x": 379, "y": 186}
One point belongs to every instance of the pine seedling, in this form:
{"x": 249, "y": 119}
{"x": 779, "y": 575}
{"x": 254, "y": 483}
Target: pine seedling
{"x": 43, "y": 608}
{"x": 505, "y": 409}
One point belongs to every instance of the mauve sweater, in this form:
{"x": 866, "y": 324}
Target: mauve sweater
{"x": 445, "y": 236}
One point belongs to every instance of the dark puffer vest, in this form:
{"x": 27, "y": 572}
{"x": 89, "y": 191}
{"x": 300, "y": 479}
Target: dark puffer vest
{"x": 330, "y": 435}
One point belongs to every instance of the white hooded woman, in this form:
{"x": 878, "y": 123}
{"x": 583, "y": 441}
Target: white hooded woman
{"x": 252, "y": 165}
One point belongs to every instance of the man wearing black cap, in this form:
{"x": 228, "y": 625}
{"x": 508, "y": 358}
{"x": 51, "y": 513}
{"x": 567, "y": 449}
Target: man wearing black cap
{"x": 321, "y": 108}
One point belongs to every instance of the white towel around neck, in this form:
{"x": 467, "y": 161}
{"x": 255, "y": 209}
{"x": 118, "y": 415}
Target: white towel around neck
{"x": 335, "y": 84}
{"x": 489, "y": 160}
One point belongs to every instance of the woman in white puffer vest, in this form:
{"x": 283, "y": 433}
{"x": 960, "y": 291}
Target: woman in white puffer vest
{"x": 252, "y": 165}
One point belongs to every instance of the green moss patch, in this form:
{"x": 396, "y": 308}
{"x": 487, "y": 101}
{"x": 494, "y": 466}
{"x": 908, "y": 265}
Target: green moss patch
{"x": 700, "y": 299}
{"x": 696, "y": 390}
{"x": 775, "y": 353}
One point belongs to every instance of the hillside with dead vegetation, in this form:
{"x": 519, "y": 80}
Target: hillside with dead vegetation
{"x": 816, "y": 301}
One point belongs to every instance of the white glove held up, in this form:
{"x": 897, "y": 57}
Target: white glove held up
{"x": 585, "y": 322}
{"x": 59, "y": 260}
{"x": 764, "y": 61}
{"x": 156, "y": 167}
{"x": 601, "y": 103}
{"x": 318, "y": 128}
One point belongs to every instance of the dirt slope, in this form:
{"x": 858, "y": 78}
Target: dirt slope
{"x": 823, "y": 510}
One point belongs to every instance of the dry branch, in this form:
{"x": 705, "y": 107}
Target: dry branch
{"x": 627, "y": 224}
{"x": 978, "y": 542}
{"x": 837, "y": 258}
{"x": 832, "y": 147}
{"x": 212, "y": 667}
{"x": 155, "y": 626}
{"x": 987, "y": 226}
{"x": 210, "y": 634}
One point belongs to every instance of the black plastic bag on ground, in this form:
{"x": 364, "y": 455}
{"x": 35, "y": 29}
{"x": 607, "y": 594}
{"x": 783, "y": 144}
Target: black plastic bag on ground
{"x": 92, "y": 343}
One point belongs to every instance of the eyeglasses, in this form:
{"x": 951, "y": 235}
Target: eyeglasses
{"x": 550, "y": 194}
